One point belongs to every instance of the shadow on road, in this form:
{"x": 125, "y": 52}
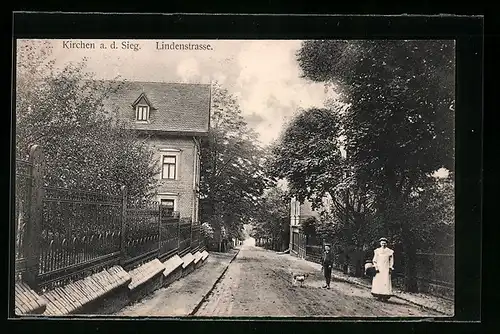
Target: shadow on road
{"x": 248, "y": 260}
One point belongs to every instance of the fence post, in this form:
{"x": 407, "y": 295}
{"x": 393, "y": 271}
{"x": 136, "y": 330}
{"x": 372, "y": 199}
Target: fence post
{"x": 124, "y": 226}
{"x": 159, "y": 229}
{"x": 33, "y": 231}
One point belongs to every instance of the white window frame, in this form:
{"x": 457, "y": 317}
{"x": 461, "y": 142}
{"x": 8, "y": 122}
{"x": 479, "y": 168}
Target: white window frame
{"x": 169, "y": 196}
{"x": 295, "y": 206}
{"x": 137, "y": 108}
{"x": 169, "y": 152}
{"x": 168, "y": 177}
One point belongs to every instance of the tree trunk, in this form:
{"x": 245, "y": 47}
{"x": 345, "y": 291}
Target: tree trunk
{"x": 410, "y": 271}
{"x": 411, "y": 284}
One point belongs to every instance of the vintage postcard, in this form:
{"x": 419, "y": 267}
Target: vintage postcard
{"x": 235, "y": 178}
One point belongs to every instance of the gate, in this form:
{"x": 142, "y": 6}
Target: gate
{"x": 299, "y": 243}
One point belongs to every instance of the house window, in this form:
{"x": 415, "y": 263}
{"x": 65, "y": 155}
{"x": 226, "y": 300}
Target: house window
{"x": 168, "y": 205}
{"x": 142, "y": 113}
{"x": 169, "y": 167}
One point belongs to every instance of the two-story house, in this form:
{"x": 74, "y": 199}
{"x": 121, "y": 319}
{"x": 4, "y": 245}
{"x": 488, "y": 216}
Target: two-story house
{"x": 300, "y": 212}
{"x": 174, "y": 118}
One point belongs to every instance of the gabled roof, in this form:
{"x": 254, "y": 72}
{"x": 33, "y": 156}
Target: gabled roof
{"x": 176, "y": 107}
{"x": 142, "y": 97}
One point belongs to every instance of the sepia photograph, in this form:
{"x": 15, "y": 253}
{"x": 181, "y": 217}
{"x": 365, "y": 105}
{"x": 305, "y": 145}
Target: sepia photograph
{"x": 234, "y": 178}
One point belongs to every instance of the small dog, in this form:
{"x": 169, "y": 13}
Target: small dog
{"x": 299, "y": 278}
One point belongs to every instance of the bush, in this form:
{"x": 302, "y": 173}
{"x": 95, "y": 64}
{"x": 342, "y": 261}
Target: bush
{"x": 207, "y": 232}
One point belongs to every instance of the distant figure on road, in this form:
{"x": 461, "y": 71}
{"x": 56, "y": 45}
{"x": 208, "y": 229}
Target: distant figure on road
{"x": 383, "y": 261}
{"x": 327, "y": 263}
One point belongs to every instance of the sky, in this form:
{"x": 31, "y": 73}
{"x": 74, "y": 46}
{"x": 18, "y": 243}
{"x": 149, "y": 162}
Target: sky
{"x": 262, "y": 74}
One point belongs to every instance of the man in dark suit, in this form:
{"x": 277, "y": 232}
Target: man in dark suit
{"x": 327, "y": 263}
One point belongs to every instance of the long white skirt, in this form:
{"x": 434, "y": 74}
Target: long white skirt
{"x": 381, "y": 284}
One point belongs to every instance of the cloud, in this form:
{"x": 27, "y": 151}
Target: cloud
{"x": 262, "y": 74}
{"x": 220, "y": 77}
{"x": 188, "y": 70}
{"x": 270, "y": 85}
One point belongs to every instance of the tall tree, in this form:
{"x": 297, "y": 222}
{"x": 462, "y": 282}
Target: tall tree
{"x": 232, "y": 167}
{"x": 273, "y": 219}
{"x": 399, "y": 126}
{"x": 309, "y": 156}
{"x": 62, "y": 111}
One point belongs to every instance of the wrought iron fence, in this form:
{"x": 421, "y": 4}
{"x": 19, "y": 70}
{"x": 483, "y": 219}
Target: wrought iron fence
{"x": 302, "y": 245}
{"x": 169, "y": 232}
{"x": 195, "y": 236}
{"x": 142, "y": 234}
{"x": 80, "y": 233}
{"x": 295, "y": 242}
{"x": 184, "y": 236}
{"x": 64, "y": 234}
{"x": 314, "y": 253}
{"x": 299, "y": 243}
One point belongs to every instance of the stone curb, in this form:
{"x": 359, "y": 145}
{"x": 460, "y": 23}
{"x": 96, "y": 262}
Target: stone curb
{"x": 197, "y": 307}
{"x": 145, "y": 273}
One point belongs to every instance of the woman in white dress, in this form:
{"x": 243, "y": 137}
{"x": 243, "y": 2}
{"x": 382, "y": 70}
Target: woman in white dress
{"x": 383, "y": 261}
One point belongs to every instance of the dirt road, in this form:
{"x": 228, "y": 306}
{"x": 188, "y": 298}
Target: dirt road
{"x": 258, "y": 283}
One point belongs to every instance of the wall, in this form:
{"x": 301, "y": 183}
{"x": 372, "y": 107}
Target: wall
{"x": 306, "y": 211}
{"x": 300, "y": 212}
{"x": 183, "y": 188}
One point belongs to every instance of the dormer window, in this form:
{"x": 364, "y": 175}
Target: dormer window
{"x": 142, "y": 108}
{"x": 142, "y": 113}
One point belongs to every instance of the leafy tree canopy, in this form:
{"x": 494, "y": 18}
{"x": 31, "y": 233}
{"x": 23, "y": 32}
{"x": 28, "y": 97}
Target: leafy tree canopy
{"x": 308, "y": 155}
{"x": 399, "y": 127}
{"x": 62, "y": 111}
{"x": 273, "y": 218}
{"x": 232, "y": 167}
{"x": 397, "y": 130}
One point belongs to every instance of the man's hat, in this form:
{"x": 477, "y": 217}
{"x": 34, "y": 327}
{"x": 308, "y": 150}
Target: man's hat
{"x": 382, "y": 239}
{"x": 328, "y": 244}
